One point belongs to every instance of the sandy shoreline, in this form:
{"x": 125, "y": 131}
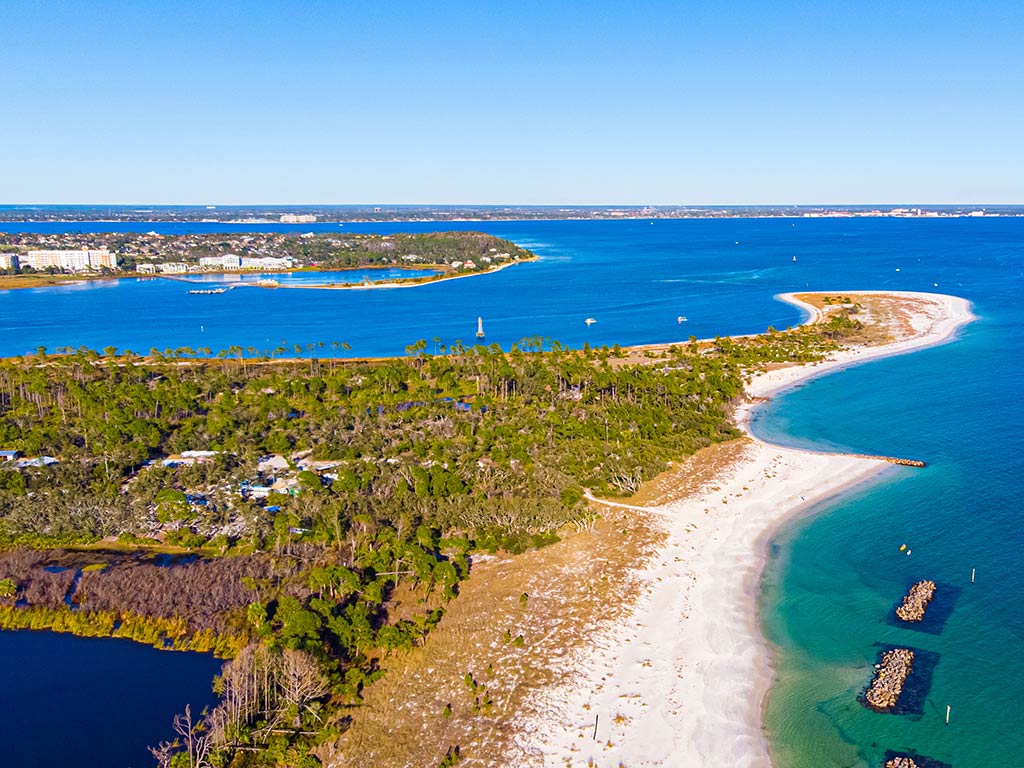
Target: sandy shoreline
{"x": 402, "y": 282}
{"x": 681, "y": 680}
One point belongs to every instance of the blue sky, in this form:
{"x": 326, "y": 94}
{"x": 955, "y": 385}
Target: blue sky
{"x": 514, "y": 102}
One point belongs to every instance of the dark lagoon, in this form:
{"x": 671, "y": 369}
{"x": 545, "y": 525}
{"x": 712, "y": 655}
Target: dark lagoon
{"x": 93, "y": 703}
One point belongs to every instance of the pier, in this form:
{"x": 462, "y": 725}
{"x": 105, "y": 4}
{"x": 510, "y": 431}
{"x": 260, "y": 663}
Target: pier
{"x": 890, "y": 676}
{"x": 916, "y": 601}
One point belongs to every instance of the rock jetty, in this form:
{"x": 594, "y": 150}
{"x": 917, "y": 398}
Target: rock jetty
{"x": 902, "y": 761}
{"x": 916, "y": 601}
{"x": 891, "y": 459}
{"x": 890, "y": 676}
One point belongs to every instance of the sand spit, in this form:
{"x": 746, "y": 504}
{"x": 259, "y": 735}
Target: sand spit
{"x": 681, "y": 681}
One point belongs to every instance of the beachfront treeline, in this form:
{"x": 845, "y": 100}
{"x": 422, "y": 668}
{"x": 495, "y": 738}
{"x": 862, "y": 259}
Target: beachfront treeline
{"x": 416, "y": 463}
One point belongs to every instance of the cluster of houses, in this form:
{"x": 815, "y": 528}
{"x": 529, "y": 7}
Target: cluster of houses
{"x": 15, "y": 459}
{"x": 468, "y": 264}
{"x": 274, "y": 474}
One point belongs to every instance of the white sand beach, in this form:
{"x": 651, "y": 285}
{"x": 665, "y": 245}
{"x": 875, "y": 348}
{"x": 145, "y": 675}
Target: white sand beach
{"x": 682, "y": 680}
{"x": 400, "y": 282}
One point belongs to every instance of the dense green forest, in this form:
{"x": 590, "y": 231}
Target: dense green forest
{"x": 432, "y": 248}
{"x": 388, "y": 476}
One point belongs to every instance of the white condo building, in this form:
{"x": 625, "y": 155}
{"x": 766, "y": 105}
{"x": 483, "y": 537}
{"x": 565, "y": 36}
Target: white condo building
{"x": 227, "y": 261}
{"x": 75, "y": 261}
{"x": 266, "y": 262}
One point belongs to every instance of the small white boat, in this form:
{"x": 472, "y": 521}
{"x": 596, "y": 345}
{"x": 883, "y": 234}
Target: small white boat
{"x": 681, "y": 319}
{"x": 794, "y": 258}
{"x": 208, "y": 291}
{"x": 590, "y": 321}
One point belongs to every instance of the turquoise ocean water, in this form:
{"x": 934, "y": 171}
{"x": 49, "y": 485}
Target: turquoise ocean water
{"x": 834, "y": 577}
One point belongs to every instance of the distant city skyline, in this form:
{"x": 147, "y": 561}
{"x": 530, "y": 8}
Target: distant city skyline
{"x": 656, "y": 103}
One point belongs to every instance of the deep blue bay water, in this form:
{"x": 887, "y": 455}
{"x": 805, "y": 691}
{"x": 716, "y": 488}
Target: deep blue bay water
{"x": 833, "y": 577}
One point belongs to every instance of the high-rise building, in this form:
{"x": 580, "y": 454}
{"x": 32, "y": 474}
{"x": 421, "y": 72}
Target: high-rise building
{"x": 83, "y": 260}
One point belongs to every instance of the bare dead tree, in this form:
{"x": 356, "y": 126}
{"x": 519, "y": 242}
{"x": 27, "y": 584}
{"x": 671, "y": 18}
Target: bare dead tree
{"x": 301, "y": 681}
{"x": 163, "y": 752}
{"x": 196, "y": 739}
{"x": 627, "y": 482}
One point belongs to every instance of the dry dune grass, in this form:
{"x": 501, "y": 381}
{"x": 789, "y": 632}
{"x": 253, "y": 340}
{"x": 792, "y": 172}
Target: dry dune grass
{"x": 886, "y": 317}
{"x": 689, "y": 476}
{"x": 572, "y": 588}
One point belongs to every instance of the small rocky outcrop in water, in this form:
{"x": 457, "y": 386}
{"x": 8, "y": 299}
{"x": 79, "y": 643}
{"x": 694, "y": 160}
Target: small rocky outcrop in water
{"x": 916, "y": 601}
{"x": 901, "y": 762}
{"x": 890, "y": 676}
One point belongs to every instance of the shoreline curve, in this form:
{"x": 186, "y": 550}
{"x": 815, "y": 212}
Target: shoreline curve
{"x": 682, "y": 679}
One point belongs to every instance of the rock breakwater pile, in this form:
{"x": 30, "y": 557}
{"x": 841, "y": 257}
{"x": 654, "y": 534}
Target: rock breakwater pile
{"x": 891, "y": 459}
{"x": 890, "y": 676}
{"x": 916, "y": 601}
{"x": 901, "y": 762}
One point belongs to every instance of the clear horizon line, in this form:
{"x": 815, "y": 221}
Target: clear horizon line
{"x": 508, "y": 205}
